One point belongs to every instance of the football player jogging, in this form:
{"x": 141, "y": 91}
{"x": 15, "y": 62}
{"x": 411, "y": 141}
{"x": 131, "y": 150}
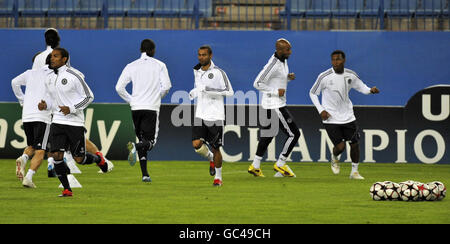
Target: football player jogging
{"x": 70, "y": 95}
{"x": 36, "y": 123}
{"x": 336, "y": 109}
{"x": 150, "y": 83}
{"x": 52, "y": 40}
{"x": 272, "y": 82}
{"x": 210, "y": 86}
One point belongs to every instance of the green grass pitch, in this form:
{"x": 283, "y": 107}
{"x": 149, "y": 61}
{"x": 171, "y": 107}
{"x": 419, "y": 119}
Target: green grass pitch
{"x": 182, "y": 193}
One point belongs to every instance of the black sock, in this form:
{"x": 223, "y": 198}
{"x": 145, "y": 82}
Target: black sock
{"x": 144, "y": 145}
{"x": 61, "y": 170}
{"x": 92, "y": 158}
{"x": 144, "y": 167}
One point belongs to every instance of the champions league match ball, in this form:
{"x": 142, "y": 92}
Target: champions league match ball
{"x": 409, "y": 191}
{"x": 424, "y": 192}
{"x": 391, "y": 191}
{"x": 441, "y": 189}
{"x": 377, "y": 191}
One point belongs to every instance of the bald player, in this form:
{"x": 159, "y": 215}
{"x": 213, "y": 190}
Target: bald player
{"x": 272, "y": 82}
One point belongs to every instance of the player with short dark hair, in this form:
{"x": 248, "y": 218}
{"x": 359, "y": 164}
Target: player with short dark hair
{"x": 70, "y": 95}
{"x": 336, "y": 110}
{"x": 52, "y": 41}
{"x": 211, "y": 84}
{"x": 150, "y": 83}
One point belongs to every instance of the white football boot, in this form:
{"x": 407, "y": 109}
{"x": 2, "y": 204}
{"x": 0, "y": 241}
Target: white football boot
{"x": 20, "y": 168}
{"x": 356, "y": 176}
{"x": 28, "y": 183}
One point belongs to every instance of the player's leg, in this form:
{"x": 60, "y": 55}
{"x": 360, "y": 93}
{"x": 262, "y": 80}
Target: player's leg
{"x": 58, "y": 144}
{"x": 214, "y": 138}
{"x": 92, "y": 148}
{"x": 335, "y": 133}
{"x": 41, "y": 132}
{"x": 28, "y": 152}
{"x": 50, "y": 166}
{"x": 145, "y": 128}
{"x": 199, "y": 133}
{"x": 264, "y": 140}
{"x": 288, "y": 126}
{"x": 351, "y": 133}
{"x": 77, "y": 144}
{"x": 255, "y": 167}
{"x": 149, "y": 125}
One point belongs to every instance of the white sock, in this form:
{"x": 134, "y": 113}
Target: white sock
{"x": 210, "y": 156}
{"x": 68, "y": 156}
{"x": 355, "y": 167}
{"x": 51, "y": 161}
{"x": 281, "y": 161}
{"x": 257, "y": 162}
{"x": 334, "y": 158}
{"x": 25, "y": 157}
{"x": 30, "y": 174}
{"x": 218, "y": 173}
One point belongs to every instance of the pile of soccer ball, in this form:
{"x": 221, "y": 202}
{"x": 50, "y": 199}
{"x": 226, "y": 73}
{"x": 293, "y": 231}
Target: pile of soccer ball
{"x": 408, "y": 191}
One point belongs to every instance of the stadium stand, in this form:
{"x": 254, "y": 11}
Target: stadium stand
{"x": 428, "y": 15}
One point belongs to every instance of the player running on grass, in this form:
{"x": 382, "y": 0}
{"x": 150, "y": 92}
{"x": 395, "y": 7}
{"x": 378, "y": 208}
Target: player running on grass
{"x": 151, "y": 82}
{"x": 336, "y": 110}
{"x": 70, "y": 95}
{"x": 272, "y": 81}
{"x": 210, "y": 87}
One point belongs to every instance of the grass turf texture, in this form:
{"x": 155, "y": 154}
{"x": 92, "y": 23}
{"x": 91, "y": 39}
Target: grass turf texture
{"x": 182, "y": 192}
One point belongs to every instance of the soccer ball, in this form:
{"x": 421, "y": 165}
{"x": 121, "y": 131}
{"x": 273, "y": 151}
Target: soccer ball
{"x": 434, "y": 192}
{"x": 407, "y": 182}
{"x": 424, "y": 191}
{"x": 377, "y": 191}
{"x": 409, "y": 191}
{"x": 441, "y": 189}
{"x": 391, "y": 190}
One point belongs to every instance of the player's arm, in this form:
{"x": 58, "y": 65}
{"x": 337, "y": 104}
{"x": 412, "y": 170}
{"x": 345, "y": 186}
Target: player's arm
{"x": 164, "y": 81}
{"x": 46, "y": 102}
{"x": 222, "y": 83}
{"x": 85, "y": 97}
{"x": 262, "y": 79}
{"x": 363, "y": 88}
{"x": 314, "y": 93}
{"x": 16, "y": 83}
{"x": 123, "y": 81}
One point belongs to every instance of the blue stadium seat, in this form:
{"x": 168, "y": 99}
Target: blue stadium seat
{"x": 347, "y": 7}
{"x": 431, "y": 7}
{"x": 370, "y": 7}
{"x": 400, "y": 7}
{"x": 320, "y": 8}
{"x": 88, "y": 7}
{"x": 118, "y": 7}
{"x": 298, "y": 7}
{"x": 142, "y": 7}
{"x": 169, "y": 7}
{"x": 205, "y": 8}
{"x": 6, "y": 7}
{"x": 33, "y": 7}
{"x": 61, "y": 7}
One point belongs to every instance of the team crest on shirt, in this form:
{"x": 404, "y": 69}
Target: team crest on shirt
{"x": 210, "y": 75}
{"x": 64, "y": 81}
{"x": 349, "y": 81}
